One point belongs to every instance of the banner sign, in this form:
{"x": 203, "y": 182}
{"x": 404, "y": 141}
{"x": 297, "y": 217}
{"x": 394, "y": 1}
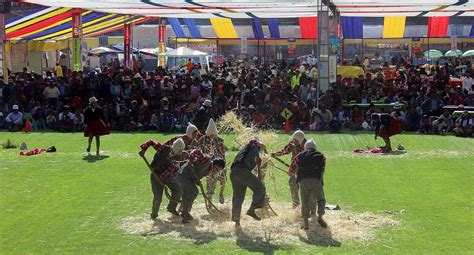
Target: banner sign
{"x": 291, "y": 45}
{"x": 126, "y": 45}
{"x": 161, "y": 44}
{"x": 76, "y": 40}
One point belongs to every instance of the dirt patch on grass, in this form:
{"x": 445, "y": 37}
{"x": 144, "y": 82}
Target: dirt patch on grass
{"x": 281, "y": 229}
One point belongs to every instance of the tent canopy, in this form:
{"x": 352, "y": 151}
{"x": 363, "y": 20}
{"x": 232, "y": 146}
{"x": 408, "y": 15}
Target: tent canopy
{"x": 183, "y": 52}
{"x": 266, "y": 8}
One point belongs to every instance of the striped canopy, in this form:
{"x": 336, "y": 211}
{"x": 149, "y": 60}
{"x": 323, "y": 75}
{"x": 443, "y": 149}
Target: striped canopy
{"x": 55, "y": 23}
{"x": 267, "y": 8}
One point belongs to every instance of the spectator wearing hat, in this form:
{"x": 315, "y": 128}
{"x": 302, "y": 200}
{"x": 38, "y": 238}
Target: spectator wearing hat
{"x": 14, "y": 119}
{"x": 96, "y": 125}
{"x": 398, "y": 113}
{"x": 444, "y": 123}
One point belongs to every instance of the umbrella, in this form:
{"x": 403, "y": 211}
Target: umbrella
{"x": 469, "y": 53}
{"x": 431, "y": 54}
{"x": 152, "y": 51}
{"x": 451, "y": 53}
{"x": 100, "y": 51}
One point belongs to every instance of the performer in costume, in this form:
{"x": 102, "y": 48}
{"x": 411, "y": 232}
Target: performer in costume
{"x": 191, "y": 173}
{"x": 213, "y": 146}
{"x": 241, "y": 177}
{"x": 164, "y": 165}
{"x": 190, "y": 139}
{"x": 95, "y": 124}
{"x": 385, "y": 127}
{"x": 295, "y": 146}
{"x": 310, "y": 165}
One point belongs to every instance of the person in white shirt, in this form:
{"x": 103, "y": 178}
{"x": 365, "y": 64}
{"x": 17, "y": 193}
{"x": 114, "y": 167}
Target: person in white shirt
{"x": 398, "y": 113}
{"x": 468, "y": 83}
{"x": 51, "y": 94}
{"x": 79, "y": 120}
{"x": 14, "y": 119}
{"x": 206, "y": 83}
{"x": 66, "y": 120}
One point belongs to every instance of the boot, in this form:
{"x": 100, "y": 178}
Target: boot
{"x": 251, "y": 213}
{"x": 172, "y": 211}
{"x": 321, "y": 222}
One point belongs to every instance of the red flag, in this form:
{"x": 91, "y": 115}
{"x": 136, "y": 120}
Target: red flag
{"x": 27, "y": 126}
{"x": 287, "y": 126}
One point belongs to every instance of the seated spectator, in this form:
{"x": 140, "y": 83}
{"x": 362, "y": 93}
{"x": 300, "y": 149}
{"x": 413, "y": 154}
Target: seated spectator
{"x": 155, "y": 122}
{"x": 412, "y": 119}
{"x": 66, "y": 120}
{"x": 433, "y": 105}
{"x": 51, "y": 121}
{"x": 398, "y": 113}
{"x": 343, "y": 117}
{"x": 3, "y": 123}
{"x": 464, "y": 125}
{"x": 357, "y": 118}
{"x": 78, "y": 120}
{"x": 334, "y": 126}
{"x": 14, "y": 119}
{"x": 444, "y": 123}
{"x": 425, "y": 125}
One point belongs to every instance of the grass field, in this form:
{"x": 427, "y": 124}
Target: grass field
{"x": 65, "y": 202}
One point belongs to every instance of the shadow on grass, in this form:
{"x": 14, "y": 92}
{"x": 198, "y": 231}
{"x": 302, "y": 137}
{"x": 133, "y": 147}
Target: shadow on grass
{"x": 92, "y": 158}
{"x": 256, "y": 244}
{"x": 319, "y": 236}
{"x": 188, "y": 231}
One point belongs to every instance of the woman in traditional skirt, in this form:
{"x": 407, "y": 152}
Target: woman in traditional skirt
{"x": 96, "y": 124}
{"x": 386, "y": 126}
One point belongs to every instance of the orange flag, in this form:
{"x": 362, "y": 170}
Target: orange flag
{"x": 27, "y": 126}
{"x": 287, "y": 126}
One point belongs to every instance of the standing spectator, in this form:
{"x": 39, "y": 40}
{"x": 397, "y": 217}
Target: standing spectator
{"x": 58, "y": 70}
{"x": 51, "y": 93}
{"x": 468, "y": 83}
{"x": 14, "y": 119}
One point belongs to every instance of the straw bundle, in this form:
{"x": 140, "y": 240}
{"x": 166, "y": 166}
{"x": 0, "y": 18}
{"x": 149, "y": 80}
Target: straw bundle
{"x": 284, "y": 229}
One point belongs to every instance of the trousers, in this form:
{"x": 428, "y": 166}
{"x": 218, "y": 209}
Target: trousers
{"x": 157, "y": 189}
{"x": 190, "y": 193}
{"x": 241, "y": 179}
{"x": 294, "y": 190}
{"x": 311, "y": 193}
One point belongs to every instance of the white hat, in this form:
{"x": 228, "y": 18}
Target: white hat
{"x": 178, "y": 146}
{"x": 92, "y": 100}
{"x": 252, "y": 107}
{"x": 15, "y": 107}
{"x": 397, "y": 105}
{"x": 211, "y": 128}
{"x": 298, "y": 136}
{"x": 310, "y": 145}
{"x": 207, "y": 103}
{"x": 1, "y": 114}
{"x": 190, "y": 130}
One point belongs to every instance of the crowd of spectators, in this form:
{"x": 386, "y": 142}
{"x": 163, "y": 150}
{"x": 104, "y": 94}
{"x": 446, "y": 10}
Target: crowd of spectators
{"x": 166, "y": 101}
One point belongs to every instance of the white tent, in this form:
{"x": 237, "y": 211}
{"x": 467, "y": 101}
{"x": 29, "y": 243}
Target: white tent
{"x": 183, "y": 52}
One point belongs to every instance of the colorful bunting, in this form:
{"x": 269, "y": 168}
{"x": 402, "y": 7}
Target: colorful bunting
{"x": 274, "y": 28}
{"x": 309, "y": 27}
{"x": 352, "y": 27}
{"x": 394, "y": 27}
{"x": 178, "y": 30}
{"x": 223, "y": 28}
{"x": 257, "y": 28}
{"x": 192, "y": 27}
{"x": 438, "y": 26}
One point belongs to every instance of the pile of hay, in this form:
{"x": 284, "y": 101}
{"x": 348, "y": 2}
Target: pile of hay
{"x": 281, "y": 229}
{"x": 231, "y": 123}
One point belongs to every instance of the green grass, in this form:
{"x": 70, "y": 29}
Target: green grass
{"x": 65, "y": 203}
